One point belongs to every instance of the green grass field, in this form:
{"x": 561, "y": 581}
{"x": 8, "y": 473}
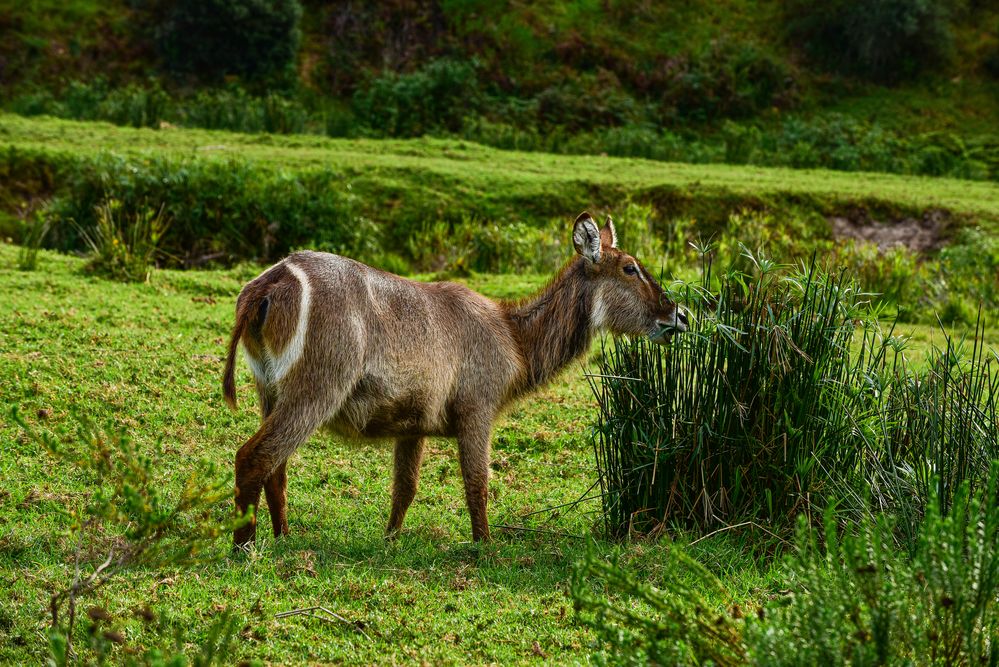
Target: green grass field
{"x": 147, "y": 358}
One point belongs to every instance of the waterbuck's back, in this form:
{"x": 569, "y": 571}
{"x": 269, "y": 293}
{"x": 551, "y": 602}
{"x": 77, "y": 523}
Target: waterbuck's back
{"x": 395, "y": 357}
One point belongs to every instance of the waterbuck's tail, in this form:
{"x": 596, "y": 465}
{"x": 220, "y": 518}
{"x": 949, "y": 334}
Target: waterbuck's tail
{"x": 283, "y": 288}
{"x": 251, "y": 309}
{"x": 229, "y": 376}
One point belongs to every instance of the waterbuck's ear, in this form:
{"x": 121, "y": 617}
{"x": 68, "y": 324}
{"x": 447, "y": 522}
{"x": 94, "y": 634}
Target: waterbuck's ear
{"x": 608, "y": 235}
{"x": 586, "y": 237}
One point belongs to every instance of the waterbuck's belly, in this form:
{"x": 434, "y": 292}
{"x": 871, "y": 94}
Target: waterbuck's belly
{"x": 375, "y": 410}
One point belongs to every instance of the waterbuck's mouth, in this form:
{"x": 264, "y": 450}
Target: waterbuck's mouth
{"x": 665, "y": 329}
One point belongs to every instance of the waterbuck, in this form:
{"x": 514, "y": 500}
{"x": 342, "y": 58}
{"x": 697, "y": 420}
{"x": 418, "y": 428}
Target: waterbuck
{"x": 335, "y": 343}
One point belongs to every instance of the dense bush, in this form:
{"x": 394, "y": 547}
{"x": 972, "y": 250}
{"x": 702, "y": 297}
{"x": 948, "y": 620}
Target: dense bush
{"x": 210, "y": 39}
{"x": 775, "y": 401}
{"x": 885, "y": 40}
{"x": 444, "y": 98}
{"x": 226, "y": 108}
{"x": 727, "y": 80}
{"x": 219, "y": 210}
{"x": 435, "y": 97}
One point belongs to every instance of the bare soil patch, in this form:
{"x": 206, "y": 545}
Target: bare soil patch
{"x": 920, "y": 235}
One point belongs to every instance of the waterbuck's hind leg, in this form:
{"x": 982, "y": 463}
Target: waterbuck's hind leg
{"x": 275, "y": 486}
{"x": 276, "y": 489}
{"x": 259, "y": 460}
{"x": 473, "y": 455}
{"x": 408, "y": 457}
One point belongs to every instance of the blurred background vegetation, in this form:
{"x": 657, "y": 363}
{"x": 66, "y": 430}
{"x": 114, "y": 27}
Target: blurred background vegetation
{"x": 905, "y": 86}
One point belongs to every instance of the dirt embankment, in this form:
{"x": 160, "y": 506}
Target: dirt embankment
{"x": 919, "y": 235}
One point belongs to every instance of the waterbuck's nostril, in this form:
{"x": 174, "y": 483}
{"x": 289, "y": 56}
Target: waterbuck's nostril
{"x": 681, "y": 318}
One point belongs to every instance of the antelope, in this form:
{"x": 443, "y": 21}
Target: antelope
{"x": 336, "y": 344}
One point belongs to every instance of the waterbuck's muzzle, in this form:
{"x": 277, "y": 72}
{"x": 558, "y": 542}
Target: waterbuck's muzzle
{"x": 666, "y": 328}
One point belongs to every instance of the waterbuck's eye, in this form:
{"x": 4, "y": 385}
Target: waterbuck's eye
{"x": 631, "y": 269}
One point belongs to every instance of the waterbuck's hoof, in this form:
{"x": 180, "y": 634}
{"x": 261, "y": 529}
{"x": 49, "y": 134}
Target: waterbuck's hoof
{"x": 242, "y": 539}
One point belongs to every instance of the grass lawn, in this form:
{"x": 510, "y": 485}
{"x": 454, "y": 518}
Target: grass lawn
{"x": 149, "y": 358}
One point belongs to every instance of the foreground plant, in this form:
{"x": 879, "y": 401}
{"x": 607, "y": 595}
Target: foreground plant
{"x": 855, "y": 599}
{"x": 638, "y": 624}
{"x": 858, "y": 600}
{"x": 157, "y": 528}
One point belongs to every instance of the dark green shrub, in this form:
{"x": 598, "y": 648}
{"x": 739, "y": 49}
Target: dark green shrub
{"x": 210, "y": 39}
{"x": 896, "y": 275}
{"x": 473, "y": 245}
{"x": 137, "y": 106}
{"x": 219, "y": 210}
{"x": 229, "y": 108}
{"x": 513, "y": 247}
{"x": 883, "y": 40}
{"x": 585, "y": 103}
{"x": 741, "y": 142}
{"x": 991, "y": 63}
{"x": 970, "y": 267}
{"x": 726, "y": 80}
{"x": 437, "y": 96}
{"x": 397, "y": 36}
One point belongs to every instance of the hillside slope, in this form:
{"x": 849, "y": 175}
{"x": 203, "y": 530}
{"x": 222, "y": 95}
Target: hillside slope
{"x": 552, "y": 65}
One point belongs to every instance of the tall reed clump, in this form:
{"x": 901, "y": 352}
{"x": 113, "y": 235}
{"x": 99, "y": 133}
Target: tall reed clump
{"x": 786, "y": 394}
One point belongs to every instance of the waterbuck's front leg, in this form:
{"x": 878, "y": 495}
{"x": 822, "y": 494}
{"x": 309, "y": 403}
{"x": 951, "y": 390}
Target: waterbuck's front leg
{"x": 473, "y": 454}
{"x": 408, "y": 457}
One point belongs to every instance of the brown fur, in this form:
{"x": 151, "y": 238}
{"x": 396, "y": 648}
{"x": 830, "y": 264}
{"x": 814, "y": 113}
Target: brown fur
{"x": 382, "y": 356}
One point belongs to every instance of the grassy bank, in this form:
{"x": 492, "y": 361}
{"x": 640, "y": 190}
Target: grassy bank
{"x": 491, "y": 182}
{"x": 432, "y": 205}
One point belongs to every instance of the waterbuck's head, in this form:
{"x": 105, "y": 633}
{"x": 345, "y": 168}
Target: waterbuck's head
{"x": 627, "y": 299}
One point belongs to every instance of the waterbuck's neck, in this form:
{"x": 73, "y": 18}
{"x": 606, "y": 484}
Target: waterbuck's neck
{"x": 553, "y": 327}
